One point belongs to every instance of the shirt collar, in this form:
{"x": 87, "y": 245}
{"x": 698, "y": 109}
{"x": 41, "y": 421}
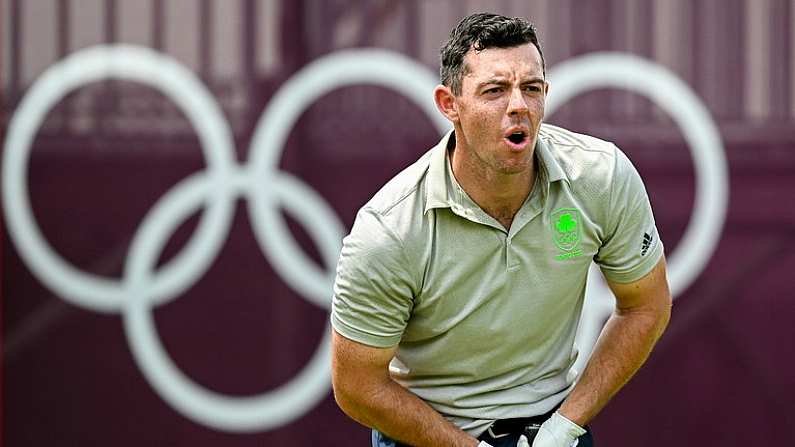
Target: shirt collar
{"x": 549, "y": 165}
{"x": 438, "y": 193}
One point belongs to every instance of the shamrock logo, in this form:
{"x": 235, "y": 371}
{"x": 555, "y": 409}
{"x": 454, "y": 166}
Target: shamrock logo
{"x": 565, "y": 223}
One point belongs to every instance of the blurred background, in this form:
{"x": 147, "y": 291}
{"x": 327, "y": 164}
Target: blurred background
{"x": 246, "y": 321}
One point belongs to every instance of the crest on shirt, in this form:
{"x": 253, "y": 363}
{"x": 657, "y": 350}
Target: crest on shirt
{"x": 566, "y": 229}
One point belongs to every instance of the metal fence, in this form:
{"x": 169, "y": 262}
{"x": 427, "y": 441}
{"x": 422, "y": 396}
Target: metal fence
{"x": 241, "y": 46}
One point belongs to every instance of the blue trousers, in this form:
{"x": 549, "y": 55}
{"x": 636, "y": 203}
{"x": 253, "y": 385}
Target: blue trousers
{"x": 381, "y": 440}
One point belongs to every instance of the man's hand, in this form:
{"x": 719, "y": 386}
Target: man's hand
{"x": 557, "y": 431}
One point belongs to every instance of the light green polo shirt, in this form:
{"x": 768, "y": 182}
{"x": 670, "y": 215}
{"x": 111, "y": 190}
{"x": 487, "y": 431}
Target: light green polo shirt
{"x": 484, "y": 317}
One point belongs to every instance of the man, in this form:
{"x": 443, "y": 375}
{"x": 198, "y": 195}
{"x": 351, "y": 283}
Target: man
{"x": 459, "y": 290}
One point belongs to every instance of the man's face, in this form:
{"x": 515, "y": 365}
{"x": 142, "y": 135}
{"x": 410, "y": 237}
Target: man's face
{"x": 500, "y": 107}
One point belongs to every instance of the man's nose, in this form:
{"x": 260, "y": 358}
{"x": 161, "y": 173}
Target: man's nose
{"x": 517, "y": 104}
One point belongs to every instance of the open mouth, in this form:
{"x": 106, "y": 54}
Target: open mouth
{"x": 517, "y": 137}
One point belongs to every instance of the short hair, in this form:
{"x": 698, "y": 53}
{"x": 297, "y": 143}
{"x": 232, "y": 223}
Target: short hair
{"x": 481, "y": 31}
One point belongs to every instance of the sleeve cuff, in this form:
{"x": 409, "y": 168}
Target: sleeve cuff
{"x": 637, "y": 272}
{"x": 365, "y": 338}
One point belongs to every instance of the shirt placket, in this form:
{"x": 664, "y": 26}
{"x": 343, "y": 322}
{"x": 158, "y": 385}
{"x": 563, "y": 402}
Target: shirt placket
{"x": 529, "y": 211}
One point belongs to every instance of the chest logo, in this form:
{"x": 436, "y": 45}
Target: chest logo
{"x": 567, "y": 232}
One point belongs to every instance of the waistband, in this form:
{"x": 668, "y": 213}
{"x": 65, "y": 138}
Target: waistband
{"x": 526, "y": 425}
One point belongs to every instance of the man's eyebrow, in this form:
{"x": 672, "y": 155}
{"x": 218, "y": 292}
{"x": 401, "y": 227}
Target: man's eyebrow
{"x": 503, "y": 82}
{"x": 493, "y": 81}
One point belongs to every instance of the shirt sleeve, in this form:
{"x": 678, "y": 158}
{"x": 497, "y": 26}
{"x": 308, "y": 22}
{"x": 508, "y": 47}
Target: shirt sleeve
{"x": 373, "y": 291}
{"x": 632, "y": 245}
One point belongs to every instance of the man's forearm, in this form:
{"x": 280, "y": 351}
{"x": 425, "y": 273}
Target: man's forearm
{"x": 623, "y": 346}
{"x": 401, "y": 415}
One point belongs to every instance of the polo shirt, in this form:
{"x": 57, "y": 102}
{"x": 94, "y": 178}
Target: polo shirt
{"x": 484, "y": 318}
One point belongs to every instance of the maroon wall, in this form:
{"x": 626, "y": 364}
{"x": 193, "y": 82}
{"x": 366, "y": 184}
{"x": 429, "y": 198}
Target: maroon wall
{"x": 721, "y": 375}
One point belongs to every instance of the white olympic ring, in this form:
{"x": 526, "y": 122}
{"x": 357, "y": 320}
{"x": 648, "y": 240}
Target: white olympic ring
{"x": 140, "y": 288}
{"x": 666, "y": 90}
{"x": 217, "y": 188}
{"x": 92, "y": 291}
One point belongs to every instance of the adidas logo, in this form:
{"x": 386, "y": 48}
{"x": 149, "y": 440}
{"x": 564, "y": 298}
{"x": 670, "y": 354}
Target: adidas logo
{"x": 646, "y": 244}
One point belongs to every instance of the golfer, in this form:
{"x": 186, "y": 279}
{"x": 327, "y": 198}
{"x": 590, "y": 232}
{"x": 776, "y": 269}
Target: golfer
{"x": 460, "y": 287}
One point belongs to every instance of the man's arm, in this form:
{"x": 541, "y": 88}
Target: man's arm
{"x": 643, "y": 309}
{"x": 365, "y": 392}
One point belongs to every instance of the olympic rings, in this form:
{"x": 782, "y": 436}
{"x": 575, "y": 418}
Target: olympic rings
{"x": 266, "y": 189}
{"x": 91, "y": 291}
{"x": 340, "y": 69}
{"x": 260, "y": 183}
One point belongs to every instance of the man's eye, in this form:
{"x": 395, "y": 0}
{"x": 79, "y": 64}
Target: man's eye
{"x": 532, "y": 88}
{"x": 494, "y": 90}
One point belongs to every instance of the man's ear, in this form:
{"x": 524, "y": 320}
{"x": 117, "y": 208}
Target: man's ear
{"x": 445, "y": 102}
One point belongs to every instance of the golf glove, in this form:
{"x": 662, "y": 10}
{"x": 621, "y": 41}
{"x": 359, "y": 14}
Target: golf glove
{"x": 557, "y": 431}
{"x": 484, "y": 444}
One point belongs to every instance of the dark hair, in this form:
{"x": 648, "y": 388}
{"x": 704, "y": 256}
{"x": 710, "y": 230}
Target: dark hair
{"x": 479, "y": 32}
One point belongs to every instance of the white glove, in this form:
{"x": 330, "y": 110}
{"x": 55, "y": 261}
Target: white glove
{"x": 523, "y": 442}
{"x": 484, "y": 444}
{"x": 557, "y": 431}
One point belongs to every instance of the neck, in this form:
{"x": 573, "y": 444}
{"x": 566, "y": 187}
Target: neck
{"x": 499, "y": 194}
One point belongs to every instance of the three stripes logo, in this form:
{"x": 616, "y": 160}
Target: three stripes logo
{"x": 646, "y": 244}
